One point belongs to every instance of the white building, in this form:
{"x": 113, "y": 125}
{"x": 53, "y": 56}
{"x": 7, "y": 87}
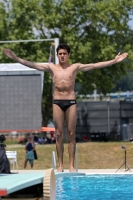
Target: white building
{"x": 20, "y": 97}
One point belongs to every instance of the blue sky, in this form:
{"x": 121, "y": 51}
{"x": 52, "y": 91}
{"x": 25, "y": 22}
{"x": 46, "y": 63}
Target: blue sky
{"x": 131, "y": 22}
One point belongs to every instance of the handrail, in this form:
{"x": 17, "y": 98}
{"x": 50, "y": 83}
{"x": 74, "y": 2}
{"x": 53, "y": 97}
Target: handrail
{"x": 53, "y": 160}
{"x": 76, "y": 158}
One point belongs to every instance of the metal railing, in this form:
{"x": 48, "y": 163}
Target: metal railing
{"x": 54, "y": 159}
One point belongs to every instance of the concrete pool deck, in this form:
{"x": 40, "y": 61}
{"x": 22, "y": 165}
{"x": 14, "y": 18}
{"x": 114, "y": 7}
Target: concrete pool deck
{"x": 24, "y": 179}
{"x": 87, "y": 171}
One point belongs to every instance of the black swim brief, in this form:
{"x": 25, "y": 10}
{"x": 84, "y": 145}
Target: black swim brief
{"x": 64, "y": 104}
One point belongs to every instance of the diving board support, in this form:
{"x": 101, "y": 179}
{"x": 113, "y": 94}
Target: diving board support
{"x": 49, "y": 185}
{"x": 53, "y": 161}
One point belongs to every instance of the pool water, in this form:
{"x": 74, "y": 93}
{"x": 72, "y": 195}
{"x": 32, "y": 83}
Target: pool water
{"x": 95, "y": 187}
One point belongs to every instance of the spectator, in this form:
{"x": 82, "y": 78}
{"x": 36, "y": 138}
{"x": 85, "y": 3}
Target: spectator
{"x": 52, "y": 137}
{"x": 35, "y": 138}
{"x": 29, "y": 148}
{"x": 85, "y": 138}
{"x": 45, "y": 140}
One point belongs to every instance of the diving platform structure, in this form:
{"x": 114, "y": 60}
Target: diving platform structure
{"x": 37, "y": 185}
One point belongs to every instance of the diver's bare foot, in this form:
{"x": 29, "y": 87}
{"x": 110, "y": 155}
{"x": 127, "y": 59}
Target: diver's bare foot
{"x": 60, "y": 169}
{"x": 72, "y": 169}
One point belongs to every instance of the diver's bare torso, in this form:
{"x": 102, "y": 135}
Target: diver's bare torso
{"x": 63, "y": 81}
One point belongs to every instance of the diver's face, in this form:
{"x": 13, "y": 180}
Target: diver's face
{"x": 63, "y": 56}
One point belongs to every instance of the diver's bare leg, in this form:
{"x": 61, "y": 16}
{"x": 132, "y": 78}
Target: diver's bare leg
{"x": 58, "y": 116}
{"x": 71, "y": 118}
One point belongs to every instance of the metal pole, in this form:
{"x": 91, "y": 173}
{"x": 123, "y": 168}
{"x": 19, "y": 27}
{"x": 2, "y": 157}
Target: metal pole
{"x": 56, "y": 40}
{"x": 76, "y": 158}
{"x": 34, "y": 40}
{"x": 53, "y": 160}
{"x": 125, "y": 160}
{"x": 108, "y": 118}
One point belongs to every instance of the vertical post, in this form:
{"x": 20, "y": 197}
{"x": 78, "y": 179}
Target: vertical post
{"x": 53, "y": 160}
{"x": 121, "y": 136}
{"x": 94, "y": 91}
{"x": 56, "y": 40}
{"x": 76, "y": 158}
{"x": 108, "y": 118}
{"x": 125, "y": 160}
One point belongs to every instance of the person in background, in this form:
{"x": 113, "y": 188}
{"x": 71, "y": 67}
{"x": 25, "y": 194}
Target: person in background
{"x": 35, "y": 138}
{"x": 29, "y": 148}
{"x": 85, "y": 138}
{"x": 52, "y": 137}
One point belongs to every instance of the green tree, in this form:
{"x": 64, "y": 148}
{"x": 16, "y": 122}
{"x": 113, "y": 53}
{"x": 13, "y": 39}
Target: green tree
{"x": 19, "y": 22}
{"x": 95, "y": 30}
{"x": 125, "y": 83}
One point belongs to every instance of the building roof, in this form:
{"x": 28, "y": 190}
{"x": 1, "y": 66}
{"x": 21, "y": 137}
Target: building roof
{"x": 19, "y": 69}
{"x": 16, "y": 69}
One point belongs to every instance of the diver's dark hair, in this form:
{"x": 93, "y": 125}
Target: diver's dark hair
{"x": 63, "y": 46}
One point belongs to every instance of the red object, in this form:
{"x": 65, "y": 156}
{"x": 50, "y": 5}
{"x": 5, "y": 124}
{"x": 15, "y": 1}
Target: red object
{"x": 3, "y": 192}
{"x": 48, "y": 129}
{"x": 42, "y": 130}
{"x": 85, "y": 138}
{"x": 52, "y": 134}
{"x": 21, "y": 140}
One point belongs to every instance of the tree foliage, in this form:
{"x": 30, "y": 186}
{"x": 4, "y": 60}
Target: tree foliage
{"x": 95, "y": 30}
{"x": 125, "y": 83}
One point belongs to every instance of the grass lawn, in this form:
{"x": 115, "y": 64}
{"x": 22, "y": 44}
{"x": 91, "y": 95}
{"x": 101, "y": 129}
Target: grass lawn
{"x": 91, "y": 155}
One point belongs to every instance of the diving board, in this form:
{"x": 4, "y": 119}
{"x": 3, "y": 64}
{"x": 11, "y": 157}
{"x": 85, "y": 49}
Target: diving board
{"x": 37, "y": 184}
{"x": 14, "y": 182}
{"x": 28, "y": 185}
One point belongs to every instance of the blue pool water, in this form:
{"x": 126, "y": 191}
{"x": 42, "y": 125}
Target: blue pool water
{"x": 95, "y": 187}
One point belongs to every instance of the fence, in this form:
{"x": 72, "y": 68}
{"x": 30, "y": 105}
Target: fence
{"x": 104, "y": 120}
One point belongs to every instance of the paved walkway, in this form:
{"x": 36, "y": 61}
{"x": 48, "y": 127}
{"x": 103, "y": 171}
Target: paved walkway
{"x": 88, "y": 171}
